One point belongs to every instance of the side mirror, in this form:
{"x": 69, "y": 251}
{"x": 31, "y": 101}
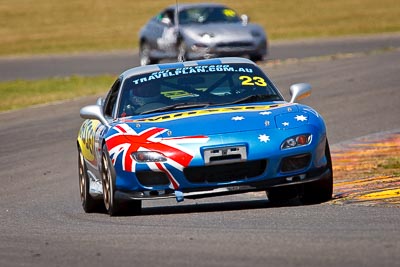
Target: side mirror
{"x": 245, "y": 19}
{"x": 299, "y": 91}
{"x": 94, "y": 112}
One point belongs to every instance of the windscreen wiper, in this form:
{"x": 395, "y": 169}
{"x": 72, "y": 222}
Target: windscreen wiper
{"x": 177, "y": 107}
{"x": 255, "y": 98}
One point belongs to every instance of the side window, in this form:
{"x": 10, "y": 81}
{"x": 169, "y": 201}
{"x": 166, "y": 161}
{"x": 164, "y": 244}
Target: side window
{"x": 111, "y": 99}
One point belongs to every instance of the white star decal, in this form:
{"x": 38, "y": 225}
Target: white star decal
{"x": 300, "y": 118}
{"x": 265, "y": 113}
{"x": 264, "y": 138}
{"x": 237, "y": 118}
{"x": 285, "y": 123}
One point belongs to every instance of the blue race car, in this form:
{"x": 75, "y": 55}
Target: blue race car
{"x": 198, "y": 129}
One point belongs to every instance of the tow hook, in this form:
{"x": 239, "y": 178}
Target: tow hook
{"x": 179, "y": 196}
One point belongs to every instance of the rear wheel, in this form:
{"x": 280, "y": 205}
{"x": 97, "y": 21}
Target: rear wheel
{"x": 89, "y": 204}
{"x": 321, "y": 190}
{"x": 114, "y": 206}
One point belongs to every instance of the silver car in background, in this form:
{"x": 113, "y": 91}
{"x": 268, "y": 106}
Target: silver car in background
{"x": 197, "y": 31}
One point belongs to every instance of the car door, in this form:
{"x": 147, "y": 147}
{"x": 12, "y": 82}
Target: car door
{"x": 162, "y": 33}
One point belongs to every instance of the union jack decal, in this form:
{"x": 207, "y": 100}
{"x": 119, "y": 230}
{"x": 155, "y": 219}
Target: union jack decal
{"x": 126, "y": 141}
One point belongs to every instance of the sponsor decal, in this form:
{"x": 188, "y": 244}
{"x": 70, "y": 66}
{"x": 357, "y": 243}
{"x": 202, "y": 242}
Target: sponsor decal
{"x": 87, "y": 137}
{"x": 194, "y": 70}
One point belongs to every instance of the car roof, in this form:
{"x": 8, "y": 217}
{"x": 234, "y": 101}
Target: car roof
{"x": 192, "y": 5}
{"x": 165, "y": 66}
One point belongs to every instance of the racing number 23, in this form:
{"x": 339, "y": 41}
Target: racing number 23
{"x": 247, "y": 80}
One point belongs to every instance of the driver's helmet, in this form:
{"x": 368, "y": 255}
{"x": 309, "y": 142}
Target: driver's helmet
{"x": 144, "y": 93}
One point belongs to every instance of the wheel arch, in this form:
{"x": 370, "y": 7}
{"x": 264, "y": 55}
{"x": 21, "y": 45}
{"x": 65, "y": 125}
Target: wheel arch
{"x": 142, "y": 40}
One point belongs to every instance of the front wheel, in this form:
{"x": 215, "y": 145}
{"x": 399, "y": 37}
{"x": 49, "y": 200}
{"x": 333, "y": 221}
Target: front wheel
{"x": 279, "y": 195}
{"x": 321, "y": 190}
{"x": 144, "y": 55}
{"x": 256, "y": 57}
{"x": 108, "y": 181}
{"x": 114, "y": 206}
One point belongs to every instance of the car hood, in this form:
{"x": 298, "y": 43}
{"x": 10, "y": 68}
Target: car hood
{"x": 226, "y": 30}
{"x": 222, "y": 120}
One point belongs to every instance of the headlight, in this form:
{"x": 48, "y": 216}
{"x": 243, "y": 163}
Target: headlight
{"x": 148, "y": 156}
{"x": 296, "y": 141}
{"x": 207, "y": 36}
{"x": 255, "y": 33}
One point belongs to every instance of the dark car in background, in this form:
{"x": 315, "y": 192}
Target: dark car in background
{"x": 198, "y": 31}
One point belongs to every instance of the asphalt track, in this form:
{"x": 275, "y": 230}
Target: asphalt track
{"x": 38, "y": 67}
{"x": 42, "y": 223}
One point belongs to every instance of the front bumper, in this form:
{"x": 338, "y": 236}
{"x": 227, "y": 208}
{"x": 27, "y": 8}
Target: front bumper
{"x": 326, "y": 173}
{"x": 201, "y": 51}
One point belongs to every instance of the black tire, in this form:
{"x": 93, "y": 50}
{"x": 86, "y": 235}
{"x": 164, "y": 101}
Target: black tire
{"x": 144, "y": 54}
{"x": 130, "y": 207}
{"x": 321, "y": 190}
{"x": 108, "y": 182}
{"x": 89, "y": 204}
{"x": 256, "y": 58}
{"x": 282, "y": 194}
{"x": 114, "y": 206}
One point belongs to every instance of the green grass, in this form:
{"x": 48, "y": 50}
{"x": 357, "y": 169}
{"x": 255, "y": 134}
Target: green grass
{"x": 20, "y": 94}
{"x": 391, "y": 164}
{"x": 48, "y": 26}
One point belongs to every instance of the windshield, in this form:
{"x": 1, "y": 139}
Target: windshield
{"x": 194, "y": 87}
{"x": 202, "y": 15}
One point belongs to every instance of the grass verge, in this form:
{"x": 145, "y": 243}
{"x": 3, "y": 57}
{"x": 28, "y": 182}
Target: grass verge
{"x": 48, "y": 26}
{"x": 20, "y": 94}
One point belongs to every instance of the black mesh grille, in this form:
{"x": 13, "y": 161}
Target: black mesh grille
{"x": 150, "y": 178}
{"x": 295, "y": 163}
{"x": 226, "y": 172}
{"x": 235, "y": 44}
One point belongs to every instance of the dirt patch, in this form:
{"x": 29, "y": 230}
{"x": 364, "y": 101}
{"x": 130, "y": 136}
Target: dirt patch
{"x": 367, "y": 170}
